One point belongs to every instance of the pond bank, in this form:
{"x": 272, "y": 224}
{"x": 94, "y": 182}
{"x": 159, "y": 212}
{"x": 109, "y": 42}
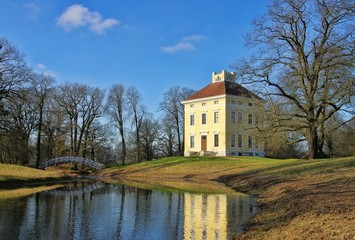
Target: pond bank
{"x": 298, "y": 199}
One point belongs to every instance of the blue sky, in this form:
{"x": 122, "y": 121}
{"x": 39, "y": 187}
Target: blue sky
{"x": 149, "y": 44}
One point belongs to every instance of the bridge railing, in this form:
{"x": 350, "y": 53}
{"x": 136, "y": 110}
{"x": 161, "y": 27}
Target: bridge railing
{"x": 74, "y": 160}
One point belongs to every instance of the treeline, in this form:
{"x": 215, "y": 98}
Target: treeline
{"x": 41, "y": 120}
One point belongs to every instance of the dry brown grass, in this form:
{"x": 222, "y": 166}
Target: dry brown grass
{"x": 304, "y": 205}
{"x": 9, "y": 172}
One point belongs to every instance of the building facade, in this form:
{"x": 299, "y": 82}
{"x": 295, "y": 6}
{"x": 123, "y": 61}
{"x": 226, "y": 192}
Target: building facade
{"x": 221, "y": 119}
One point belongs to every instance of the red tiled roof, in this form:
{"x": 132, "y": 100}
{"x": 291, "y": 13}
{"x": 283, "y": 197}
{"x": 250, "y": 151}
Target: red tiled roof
{"x": 221, "y": 88}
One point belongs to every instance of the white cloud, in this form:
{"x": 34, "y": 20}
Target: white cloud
{"x": 185, "y": 44}
{"x": 77, "y": 15}
{"x": 41, "y": 68}
{"x": 181, "y": 46}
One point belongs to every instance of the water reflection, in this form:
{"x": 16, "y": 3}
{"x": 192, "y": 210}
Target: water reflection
{"x": 87, "y": 210}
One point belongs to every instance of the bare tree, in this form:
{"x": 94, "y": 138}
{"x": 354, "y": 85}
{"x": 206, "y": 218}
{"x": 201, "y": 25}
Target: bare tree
{"x": 54, "y": 129}
{"x": 41, "y": 87}
{"x": 173, "y": 109}
{"x": 138, "y": 112}
{"x": 304, "y": 60}
{"x": 167, "y": 139}
{"x": 13, "y": 69}
{"x": 149, "y": 136}
{"x": 82, "y": 105}
{"x": 115, "y": 108}
{"x": 18, "y": 126}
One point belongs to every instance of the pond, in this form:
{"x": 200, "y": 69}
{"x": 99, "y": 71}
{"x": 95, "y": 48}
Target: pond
{"x": 96, "y": 210}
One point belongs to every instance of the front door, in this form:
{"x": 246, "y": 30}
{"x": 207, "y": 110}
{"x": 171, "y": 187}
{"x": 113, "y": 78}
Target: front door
{"x": 204, "y": 143}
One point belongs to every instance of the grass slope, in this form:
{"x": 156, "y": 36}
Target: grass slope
{"x": 298, "y": 199}
{"x": 9, "y": 172}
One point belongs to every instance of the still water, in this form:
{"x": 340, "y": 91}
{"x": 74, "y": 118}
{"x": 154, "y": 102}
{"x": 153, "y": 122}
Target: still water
{"x": 95, "y": 210}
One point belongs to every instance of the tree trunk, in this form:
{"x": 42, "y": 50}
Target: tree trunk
{"x": 312, "y": 144}
{"x": 38, "y": 159}
{"x": 124, "y": 148}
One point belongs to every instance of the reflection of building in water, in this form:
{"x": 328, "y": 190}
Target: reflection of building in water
{"x": 214, "y": 216}
{"x": 205, "y": 216}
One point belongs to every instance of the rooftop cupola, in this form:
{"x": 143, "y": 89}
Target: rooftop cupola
{"x": 223, "y": 76}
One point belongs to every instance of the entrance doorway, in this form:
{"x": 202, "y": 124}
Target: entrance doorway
{"x": 204, "y": 143}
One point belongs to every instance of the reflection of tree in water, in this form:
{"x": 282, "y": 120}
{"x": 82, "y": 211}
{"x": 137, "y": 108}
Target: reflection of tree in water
{"x": 94, "y": 210}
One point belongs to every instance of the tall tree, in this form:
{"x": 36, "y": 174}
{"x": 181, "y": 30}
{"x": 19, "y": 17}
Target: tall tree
{"x": 41, "y": 87}
{"x": 138, "y": 111}
{"x": 19, "y": 125}
{"x": 115, "y": 108}
{"x": 173, "y": 109}
{"x": 167, "y": 139}
{"x": 305, "y": 61}
{"x": 82, "y": 105}
{"x": 149, "y": 136}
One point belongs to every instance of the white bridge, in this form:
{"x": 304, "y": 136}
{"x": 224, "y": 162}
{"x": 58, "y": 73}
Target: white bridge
{"x": 74, "y": 160}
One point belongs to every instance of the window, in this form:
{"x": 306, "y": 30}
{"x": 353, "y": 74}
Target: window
{"x": 216, "y": 117}
{"x": 192, "y": 120}
{"x": 203, "y": 118}
{"x": 240, "y": 141}
{"x": 256, "y": 119}
{"x": 191, "y": 106}
{"x": 216, "y": 102}
{"x": 240, "y": 117}
{"x": 232, "y": 117}
{"x": 250, "y": 119}
{"x": 250, "y": 104}
{"x": 216, "y": 140}
{"x": 192, "y": 141}
{"x": 203, "y": 104}
{"x": 233, "y": 140}
{"x": 250, "y": 142}
{"x": 232, "y": 101}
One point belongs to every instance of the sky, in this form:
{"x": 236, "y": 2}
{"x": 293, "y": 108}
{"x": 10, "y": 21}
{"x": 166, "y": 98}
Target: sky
{"x": 151, "y": 45}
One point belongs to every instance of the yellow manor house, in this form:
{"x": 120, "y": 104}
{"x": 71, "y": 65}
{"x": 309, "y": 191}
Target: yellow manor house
{"x": 221, "y": 119}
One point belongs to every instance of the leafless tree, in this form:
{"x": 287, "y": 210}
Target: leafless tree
{"x": 304, "y": 61}
{"x": 82, "y": 105}
{"x": 41, "y": 87}
{"x": 116, "y": 109}
{"x": 149, "y": 136}
{"x": 138, "y": 112}
{"x": 54, "y": 130}
{"x": 18, "y": 126}
{"x": 167, "y": 139}
{"x": 173, "y": 109}
{"x": 13, "y": 69}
